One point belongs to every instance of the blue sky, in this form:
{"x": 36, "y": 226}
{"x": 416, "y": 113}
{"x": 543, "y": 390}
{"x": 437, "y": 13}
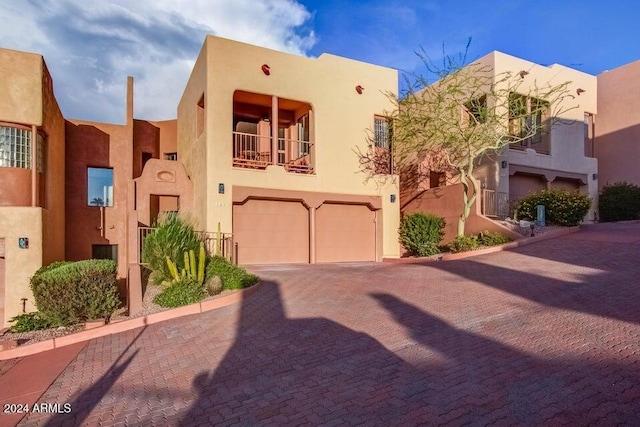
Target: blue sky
{"x": 90, "y": 47}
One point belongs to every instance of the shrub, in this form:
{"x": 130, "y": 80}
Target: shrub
{"x": 232, "y": 276}
{"x": 73, "y": 292}
{"x": 180, "y": 292}
{"x": 463, "y": 244}
{"x": 421, "y": 233}
{"x": 565, "y": 208}
{"x": 488, "y": 238}
{"x": 172, "y": 237}
{"x": 28, "y": 322}
{"x": 619, "y": 202}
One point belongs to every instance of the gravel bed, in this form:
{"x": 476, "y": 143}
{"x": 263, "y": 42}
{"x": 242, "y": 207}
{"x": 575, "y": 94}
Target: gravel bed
{"x": 526, "y": 231}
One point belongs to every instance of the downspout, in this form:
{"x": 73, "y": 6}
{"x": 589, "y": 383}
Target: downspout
{"x": 34, "y": 173}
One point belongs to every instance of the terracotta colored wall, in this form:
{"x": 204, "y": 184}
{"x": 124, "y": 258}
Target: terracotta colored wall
{"x": 92, "y": 144}
{"x": 15, "y": 187}
{"x": 617, "y": 125}
{"x": 146, "y": 139}
{"x": 168, "y": 136}
{"x": 21, "y": 87}
{"x": 447, "y": 202}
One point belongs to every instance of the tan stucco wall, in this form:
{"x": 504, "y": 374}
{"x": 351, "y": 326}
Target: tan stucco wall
{"x": 341, "y": 117}
{"x": 567, "y": 138}
{"x": 20, "y": 264}
{"x": 617, "y": 127}
{"x": 21, "y": 87}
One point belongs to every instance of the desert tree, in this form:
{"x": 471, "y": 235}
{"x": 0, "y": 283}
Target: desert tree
{"x": 457, "y": 113}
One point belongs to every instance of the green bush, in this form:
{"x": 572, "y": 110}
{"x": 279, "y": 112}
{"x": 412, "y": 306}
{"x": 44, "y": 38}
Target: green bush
{"x": 489, "y": 238}
{"x": 73, "y": 292}
{"x": 180, "y": 292}
{"x": 421, "y": 233}
{"x": 463, "y": 244}
{"x": 28, "y": 322}
{"x": 619, "y": 202}
{"x": 172, "y": 237}
{"x": 565, "y": 208}
{"x": 232, "y": 276}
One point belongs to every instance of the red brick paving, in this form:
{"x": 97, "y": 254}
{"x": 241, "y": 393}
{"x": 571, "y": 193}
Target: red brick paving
{"x": 547, "y": 334}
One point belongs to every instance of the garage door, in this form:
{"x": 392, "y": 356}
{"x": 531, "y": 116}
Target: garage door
{"x": 566, "y": 184}
{"x": 345, "y": 233}
{"x": 522, "y": 185}
{"x": 269, "y": 231}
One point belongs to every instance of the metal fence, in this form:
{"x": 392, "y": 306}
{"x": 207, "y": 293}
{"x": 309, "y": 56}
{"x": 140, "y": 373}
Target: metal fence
{"x": 495, "y": 204}
{"x": 214, "y": 245}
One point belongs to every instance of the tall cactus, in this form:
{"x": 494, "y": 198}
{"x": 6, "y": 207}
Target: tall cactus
{"x": 201, "y": 260}
{"x": 192, "y": 269}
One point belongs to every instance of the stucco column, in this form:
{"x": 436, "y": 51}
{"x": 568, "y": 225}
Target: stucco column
{"x": 312, "y": 235}
{"x": 34, "y": 172}
{"x": 274, "y": 130}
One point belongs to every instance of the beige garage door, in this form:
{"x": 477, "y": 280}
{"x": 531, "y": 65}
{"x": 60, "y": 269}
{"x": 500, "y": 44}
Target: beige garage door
{"x": 345, "y": 233}
{"x": 566, "y": 184}
{"x": 270, "y": 231}
{"x": 522, "y": 185}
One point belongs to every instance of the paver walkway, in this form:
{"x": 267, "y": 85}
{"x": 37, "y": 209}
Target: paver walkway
{"x": 547, "y": 334}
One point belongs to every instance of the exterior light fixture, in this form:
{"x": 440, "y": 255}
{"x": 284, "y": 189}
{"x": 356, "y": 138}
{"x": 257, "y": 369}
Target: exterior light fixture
{"x": 579, "y": 91}
{"x": 503, "y": 164}
{"x": 392, "y": 198}
{"x": 359, "y": 89}
{"x": 221, "y": 188}
{"x": 594, "y": 176}
{"x": 23, "y": 242}
{"x": 523, "y": 73}
{"x": 265, "y": 118}
{"x": 266, "y": 69}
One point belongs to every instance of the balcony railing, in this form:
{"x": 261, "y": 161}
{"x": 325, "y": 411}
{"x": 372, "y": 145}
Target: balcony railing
{"x": 254, "y": 152}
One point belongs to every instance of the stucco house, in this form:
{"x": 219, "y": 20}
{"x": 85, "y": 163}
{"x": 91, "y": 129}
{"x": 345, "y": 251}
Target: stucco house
{"x": 559, "y": 156}
{"x": 617, "y": 130}
{"x": 263, "y": 144}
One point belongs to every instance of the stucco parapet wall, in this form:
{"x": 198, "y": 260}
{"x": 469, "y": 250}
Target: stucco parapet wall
{"x": 127, "y": 325}
{"x": 511, "y": 245}
{"x": 549, "y": 174}
{"x": 309, "y": 198}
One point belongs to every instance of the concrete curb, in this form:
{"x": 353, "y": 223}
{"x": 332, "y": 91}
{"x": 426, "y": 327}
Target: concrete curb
{"x": 127, "y": 325}
{"x": 462, "y": 255}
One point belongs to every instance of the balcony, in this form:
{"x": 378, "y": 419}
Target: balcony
{"x": 254, "y": 152}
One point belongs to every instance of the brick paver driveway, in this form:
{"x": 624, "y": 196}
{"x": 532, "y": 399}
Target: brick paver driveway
{"x": 548, "y": 334}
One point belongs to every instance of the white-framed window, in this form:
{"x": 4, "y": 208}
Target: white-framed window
{"x": 381, "y": 132}
{"x": 528, "y": 122}
{"x": 15, "y": 147}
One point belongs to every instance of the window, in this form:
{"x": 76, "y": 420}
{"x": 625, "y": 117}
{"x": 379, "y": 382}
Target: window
{"x": 476, "y": 111}
{"x": 381, "y": 132}
{"x": 15, "y": 147}
{"x": 171, "y": 156}
{"x": 104, "y": 252}
{"x": 100, "y": 186}
{"x": 527, "y": 123}
{"x": 436, "y": 179}
{"x": 302, "y": 127}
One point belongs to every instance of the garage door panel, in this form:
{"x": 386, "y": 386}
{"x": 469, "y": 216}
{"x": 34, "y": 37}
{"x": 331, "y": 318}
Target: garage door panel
{"x": 345, "y": 233}
{"x": 522, "y": 185}
{"x": 269, "y": 231}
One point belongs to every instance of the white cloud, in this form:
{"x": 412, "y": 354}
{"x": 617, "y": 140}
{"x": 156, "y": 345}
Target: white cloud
{"x": 90, "y": 47}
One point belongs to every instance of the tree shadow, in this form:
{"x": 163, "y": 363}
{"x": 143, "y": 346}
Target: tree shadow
{"x": 312, "y": 370}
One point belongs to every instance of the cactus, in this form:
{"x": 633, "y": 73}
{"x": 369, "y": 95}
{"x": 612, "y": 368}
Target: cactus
{"x": 192, "y": 269}
{"x": 201, "y": 260}
{"x": 172, "y": 269}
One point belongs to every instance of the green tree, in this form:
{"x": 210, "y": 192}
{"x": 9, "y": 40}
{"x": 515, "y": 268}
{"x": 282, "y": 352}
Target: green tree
{"x": 456, "y": 113}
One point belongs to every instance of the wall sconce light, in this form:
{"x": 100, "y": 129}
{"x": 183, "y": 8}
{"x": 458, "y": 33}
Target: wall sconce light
{"x": 594, "y": 176}
{"x": 221, "y": 188}
{"x": 392, "y": 198}
{"x": 503, "y": 164}
{"x": 359, "y": 89}
{"x": 23, "y": 242}
{"x": 266, "y": 69}
{"x": 579, "y": 91}
{"x": 523, "y": 73}
{"x": 265, "y": 118}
